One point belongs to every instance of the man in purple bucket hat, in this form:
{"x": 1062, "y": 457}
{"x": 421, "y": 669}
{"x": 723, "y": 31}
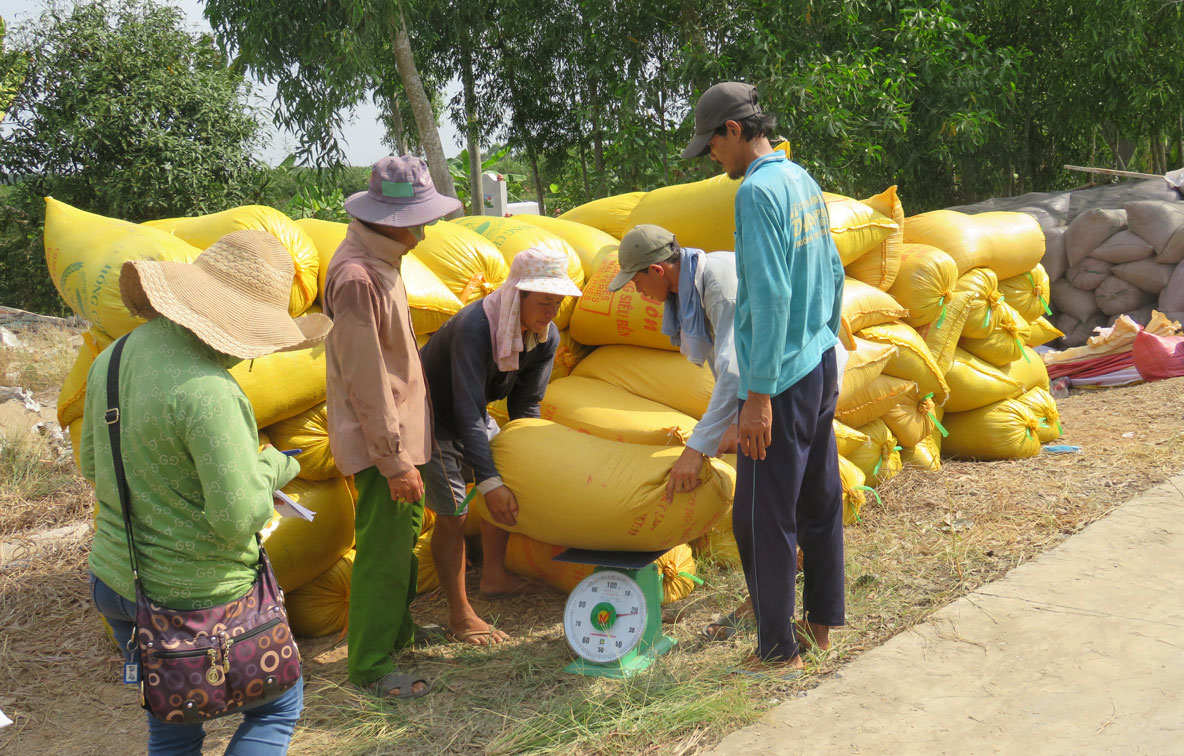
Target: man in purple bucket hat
{"x": 380, "y": 415}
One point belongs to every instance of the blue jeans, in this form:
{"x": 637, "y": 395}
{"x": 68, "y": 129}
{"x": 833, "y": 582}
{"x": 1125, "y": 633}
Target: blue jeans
{"x": 265, "y": 731}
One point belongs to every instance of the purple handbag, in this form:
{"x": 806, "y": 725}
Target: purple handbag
{"x": 205, "y": 663}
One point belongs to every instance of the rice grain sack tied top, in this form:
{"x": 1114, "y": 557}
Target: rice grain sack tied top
{"x": 1005, "y": 343}
{"x": 975, "y": 383}
{"x": 1069, "y": 300}
{"x": 610, "y": 495}
{"x": 912, "y": 359}
{"x": 1149, "y": 275}
{"x": 1004, "y": 430}
{"x": 1007, "y": 243}
{"x": 924, "y": 282}
{"x": 1028, "y": 293}
{"x": 465, "y": 261}
{"x": 1115, "y": 296}
{"x": 985, "y": 303}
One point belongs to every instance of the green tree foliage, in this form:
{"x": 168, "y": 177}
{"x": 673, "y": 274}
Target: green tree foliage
{"x": 121, "y": 112}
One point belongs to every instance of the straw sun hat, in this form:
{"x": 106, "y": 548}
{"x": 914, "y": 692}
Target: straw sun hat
{"x": 234, "y": 296}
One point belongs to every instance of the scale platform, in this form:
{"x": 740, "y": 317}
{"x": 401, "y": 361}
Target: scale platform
{"x": 613, "y": 618}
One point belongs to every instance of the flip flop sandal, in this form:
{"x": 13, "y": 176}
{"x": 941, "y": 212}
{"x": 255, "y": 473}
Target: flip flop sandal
{"x": 392, "y": 680}
{"x": 725, "y": 627}
{"x": 429, "y": 635}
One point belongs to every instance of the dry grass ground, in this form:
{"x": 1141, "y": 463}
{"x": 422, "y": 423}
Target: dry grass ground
{"x": 934, "y": 538}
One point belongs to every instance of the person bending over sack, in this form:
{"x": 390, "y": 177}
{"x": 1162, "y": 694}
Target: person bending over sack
{"x": 501, "y": 347}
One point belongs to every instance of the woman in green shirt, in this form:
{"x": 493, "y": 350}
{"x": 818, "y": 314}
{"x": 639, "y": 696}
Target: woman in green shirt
{"x": 200, "y": 488}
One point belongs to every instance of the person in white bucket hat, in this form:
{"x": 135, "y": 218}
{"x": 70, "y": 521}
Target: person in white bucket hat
{"x": 379, "y": 412}
{"x": 501, "y": 347}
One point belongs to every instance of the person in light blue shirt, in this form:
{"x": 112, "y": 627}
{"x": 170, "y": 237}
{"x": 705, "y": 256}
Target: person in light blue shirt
{"x": 699, "y": 291}
{"x": 788, "y": 309}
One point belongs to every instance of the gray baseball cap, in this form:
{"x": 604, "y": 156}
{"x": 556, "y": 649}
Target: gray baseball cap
{"x": 644, "y": 245}
{"x": 728, "y": 101}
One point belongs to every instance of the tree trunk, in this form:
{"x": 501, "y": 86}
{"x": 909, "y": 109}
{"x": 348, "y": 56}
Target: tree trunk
{"x": 584, "y": 167}
{"x": 421, "y": 106}
{"x": 538, "y": 181}
{"x": 1159, "y": 158}
{"x": 398, "y": 138}
{"x": 1180, "y": 143}
{"x": 472, "y": 134}
{"x": 597, "y": 142}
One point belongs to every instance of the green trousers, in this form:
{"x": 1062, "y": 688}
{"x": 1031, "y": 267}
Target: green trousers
{"x": 383, "y": 583}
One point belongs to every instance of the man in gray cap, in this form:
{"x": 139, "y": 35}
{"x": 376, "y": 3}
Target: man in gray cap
{"x": 788, "y": 306}
{"x": 380, "y": 418}
{"x": 699, "y": 292}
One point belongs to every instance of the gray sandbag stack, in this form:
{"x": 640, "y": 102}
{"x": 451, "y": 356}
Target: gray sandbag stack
{"x": 1109, "y": 250}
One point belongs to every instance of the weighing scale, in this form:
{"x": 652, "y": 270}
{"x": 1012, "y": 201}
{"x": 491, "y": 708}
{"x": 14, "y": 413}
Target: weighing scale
{"x": 613, "y": 618}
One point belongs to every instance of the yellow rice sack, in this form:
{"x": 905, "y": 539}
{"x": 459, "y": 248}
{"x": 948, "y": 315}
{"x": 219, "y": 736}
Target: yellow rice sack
{"x": 1028, "y": 293}
{"x": 864, "y": 365}
{"x": 855, "y": 227}
{"x": 1003, "y": 430}
{"x": 300, "y": 550}
{"x": 1007, "y": 243}
{"x": 282, "y": 384}
{"x": 623, "y": 484}
{"x": 873, "y": 400}
{"x": 467, "y": 263}
{"x": 865, "y": 306}
{"x": 985, "y": 302}
{"x": 718, "y": 545}
{"x": 1005, "y": 344}
{"x": 85, "y": 253}
{"x": 924, "y": 283}
{"x": 607, "y": 411}
{"x": 926, "y": 455}
{"x": 427, "y": 579}
{"x": 431, "y": 302}
{"x": 658, "y": 375}
{"x": 72, "y": 396}
{"x": 1029, "y": 370}
{"x": 610, "y": 214}
{"x": 621, "y": 317}
{"x": 880, "y": 265}
{"x": 204, "y": 230}
{"x": 879, "y": 459}
{"x": 1043, "y": 332}
{"x": 534, "y": 559}
{"x": 568, "y": 355}
{"x": 309, "y": 432}
{"x": 975, "y": 383}
{"x": 853, "y": 482}
{"x": 941, "y": 336}
{"x": 847, "y": 439}
{"x": 321, "y": 606}
{"x": 700, "y": 213}
{"x": 912, "y": 359}
{"x": 1044, "y": 408}
{"x": 588, "y": 242}
{"x": 912, "y": 419}
{"x": 512, "y": 236}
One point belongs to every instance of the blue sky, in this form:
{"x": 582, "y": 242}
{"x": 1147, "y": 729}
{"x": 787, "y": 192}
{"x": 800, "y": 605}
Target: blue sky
{"x": 361, "y": 137}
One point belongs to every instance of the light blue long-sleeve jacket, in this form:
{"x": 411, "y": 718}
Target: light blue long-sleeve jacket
{"x": 789, "y": 297}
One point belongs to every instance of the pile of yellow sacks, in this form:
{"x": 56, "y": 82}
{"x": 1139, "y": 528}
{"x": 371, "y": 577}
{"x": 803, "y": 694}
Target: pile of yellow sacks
{"x": 940, "y": 313}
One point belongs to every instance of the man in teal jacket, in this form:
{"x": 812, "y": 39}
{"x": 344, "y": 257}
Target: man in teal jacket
{"x": 788, "y": 305}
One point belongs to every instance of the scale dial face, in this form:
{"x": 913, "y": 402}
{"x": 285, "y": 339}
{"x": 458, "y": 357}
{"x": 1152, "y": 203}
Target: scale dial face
{"x": 605, "y": 616}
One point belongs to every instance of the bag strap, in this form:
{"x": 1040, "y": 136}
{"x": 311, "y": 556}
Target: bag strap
{"x": 112, "y": 419}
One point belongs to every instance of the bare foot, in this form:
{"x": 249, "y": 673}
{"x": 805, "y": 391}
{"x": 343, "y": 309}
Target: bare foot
{"x": 476, "y": 632}
{"x": 811, "y": 635}
{"x": 756, "y": 664}
{"x": 510, "y": 585}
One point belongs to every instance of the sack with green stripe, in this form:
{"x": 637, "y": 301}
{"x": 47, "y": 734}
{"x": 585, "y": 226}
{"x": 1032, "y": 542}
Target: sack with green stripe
{"x": 1044, "y": 407}
{"x": 975, "y": 383}
{"x": 1005, "y": 344}
{"x": 879, "y": 459}
{"x": 985, "y": 299}
{"x": 1004, "y": 430}
{"x": 1028, "y": 293}
{"x": 924, "y": 283}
